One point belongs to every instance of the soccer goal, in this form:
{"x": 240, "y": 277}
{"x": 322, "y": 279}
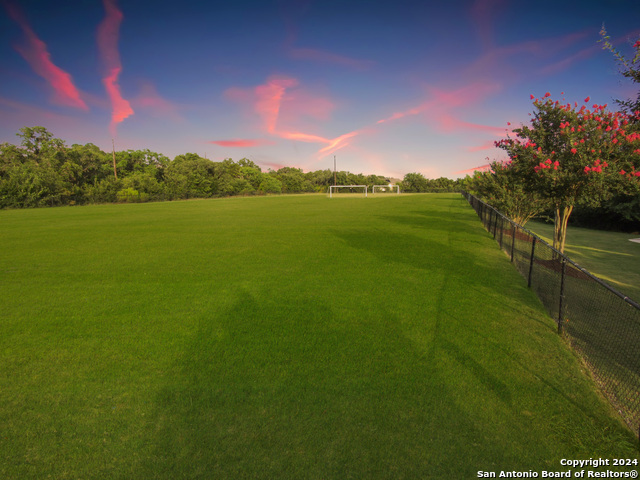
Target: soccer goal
{"x": 386, "y": 189}
{"x": 334, "y": 189}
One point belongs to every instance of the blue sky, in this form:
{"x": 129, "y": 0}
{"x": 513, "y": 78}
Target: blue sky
{"x": 388, "y": 87}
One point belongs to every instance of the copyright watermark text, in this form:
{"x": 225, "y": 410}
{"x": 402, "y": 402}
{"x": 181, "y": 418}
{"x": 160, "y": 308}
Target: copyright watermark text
{"x": 597, "y": 468}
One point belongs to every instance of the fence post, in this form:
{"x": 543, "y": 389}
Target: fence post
{"x": 495, "y": 223}
{"x": 513, "y": 242}
{"x": 533, "y": 251}
{"x": 491, "y": 225}
{"x": 501, "y": 231}
{"x": 564, "y": 271}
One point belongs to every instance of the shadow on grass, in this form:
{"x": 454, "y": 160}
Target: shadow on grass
{"x": 408, "y": 249}
{"x": 270, "y": 391}
{"x": 272, "y": 388}
{"x": 431, "y": 221}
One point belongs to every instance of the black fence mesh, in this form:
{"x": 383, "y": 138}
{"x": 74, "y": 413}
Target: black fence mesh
{"x": 599, "y": 322}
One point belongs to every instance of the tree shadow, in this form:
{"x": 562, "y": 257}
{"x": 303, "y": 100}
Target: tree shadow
{"x": 261, "y": 393}
{"x": 412, "y": 250}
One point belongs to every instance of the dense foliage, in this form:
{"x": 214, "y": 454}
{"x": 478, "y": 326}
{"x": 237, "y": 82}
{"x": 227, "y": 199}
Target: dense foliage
{"x": 44, "y": 171}
{"x": 418, "y": 183}
{"x": 566, "y": 157}
{"x": 569, "y": 158}
{"x": 502, "y": 188}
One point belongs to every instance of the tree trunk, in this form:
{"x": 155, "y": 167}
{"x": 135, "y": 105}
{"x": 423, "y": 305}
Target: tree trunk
{"x": 560, "y": 227}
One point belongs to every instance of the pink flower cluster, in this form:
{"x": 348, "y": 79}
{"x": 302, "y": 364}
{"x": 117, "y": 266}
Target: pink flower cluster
{"x": 589, "y": 131}
{"x": 547, "y": 164}
{"x": 598, "y": 165}
{"x": 504, "y": 141}
{"x": 630, "y": 174}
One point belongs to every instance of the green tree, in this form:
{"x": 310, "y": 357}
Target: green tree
{"x": 94, "y": 164}
{"x": 190, "y": 176}
{"x": 30, "y": 175}
{"x": 414, "y": 182}
{"x": 292, "y": 179}
{"x": 245, "y": 162}
{"x": 504, "y": 188}
{"x": 253, "y": 175}
{"x": 321, "y": 179}
{"x": 270, "y": 184}
{"x": 572, "y": 156}
{"x": 38, "y": 143}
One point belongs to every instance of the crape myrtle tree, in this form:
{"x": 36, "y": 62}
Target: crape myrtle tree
{"x": 574, "y": 156}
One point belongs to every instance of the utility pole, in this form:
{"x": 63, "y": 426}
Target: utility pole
{"x": 335, "y": 182}
{"x": 115, "y": 173}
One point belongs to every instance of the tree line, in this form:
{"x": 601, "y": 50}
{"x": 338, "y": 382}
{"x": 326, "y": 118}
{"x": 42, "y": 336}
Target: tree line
{"x": 43, "y": 171}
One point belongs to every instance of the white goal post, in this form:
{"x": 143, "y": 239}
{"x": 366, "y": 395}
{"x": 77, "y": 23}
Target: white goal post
{"x": 384, "y": 188}
{"x": 346, "y": 186}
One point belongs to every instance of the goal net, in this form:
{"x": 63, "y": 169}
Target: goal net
{"x": 353, "y": 189}
{"x": 386, "y": 189}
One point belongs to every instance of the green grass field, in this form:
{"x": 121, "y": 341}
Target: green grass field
{"x": 608, "y": 255}
{"x": 281, "y": 337}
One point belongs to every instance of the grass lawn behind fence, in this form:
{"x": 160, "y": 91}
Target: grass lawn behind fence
{"x": 281, "y": 337}
{"x": 608, "y": 255}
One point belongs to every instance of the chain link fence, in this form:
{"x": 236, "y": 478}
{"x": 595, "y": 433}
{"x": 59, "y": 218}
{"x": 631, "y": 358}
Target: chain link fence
{"x": 600, "y": 323}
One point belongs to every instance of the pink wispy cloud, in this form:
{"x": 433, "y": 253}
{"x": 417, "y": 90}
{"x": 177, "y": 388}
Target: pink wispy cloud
{"x": 488, "y": 145}
{"x": 337, "y": 143}
{"x": 272, "y": 165}
{"x": 565, "y": 63}
{"x": 31, "y": 113}
{"x": 303, "y": 137}
{"x": 269, "y": 99}
{"x": 584, "y": 54}
{"x": 274, "y": 99}
{"x": 281, "y": 100}
{"x": 299, "y": 104}
{"x": 481, "y": 168}
{"x": 37, "y": 55}
{"x": 242, "y": 143}
{"x": 332, "y": 144}
{"x": 442, "y": 104}
{"x": 411, "y": 112}
{"x": 150, "y": 99}
{"x": 449, "y": 123}
{"x": 464, "y": 96}
{"x": 107, "y": 35}
{"x": 15, "y": 115}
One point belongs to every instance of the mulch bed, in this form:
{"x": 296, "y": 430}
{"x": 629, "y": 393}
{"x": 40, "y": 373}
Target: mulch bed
{"x": 556, "y": 266}
{"x": 552, "y": 264}
{"x": 524, "y": 236}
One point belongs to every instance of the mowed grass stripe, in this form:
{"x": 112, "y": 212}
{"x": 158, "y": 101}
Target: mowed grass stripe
{"x": 280, "y": 337}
